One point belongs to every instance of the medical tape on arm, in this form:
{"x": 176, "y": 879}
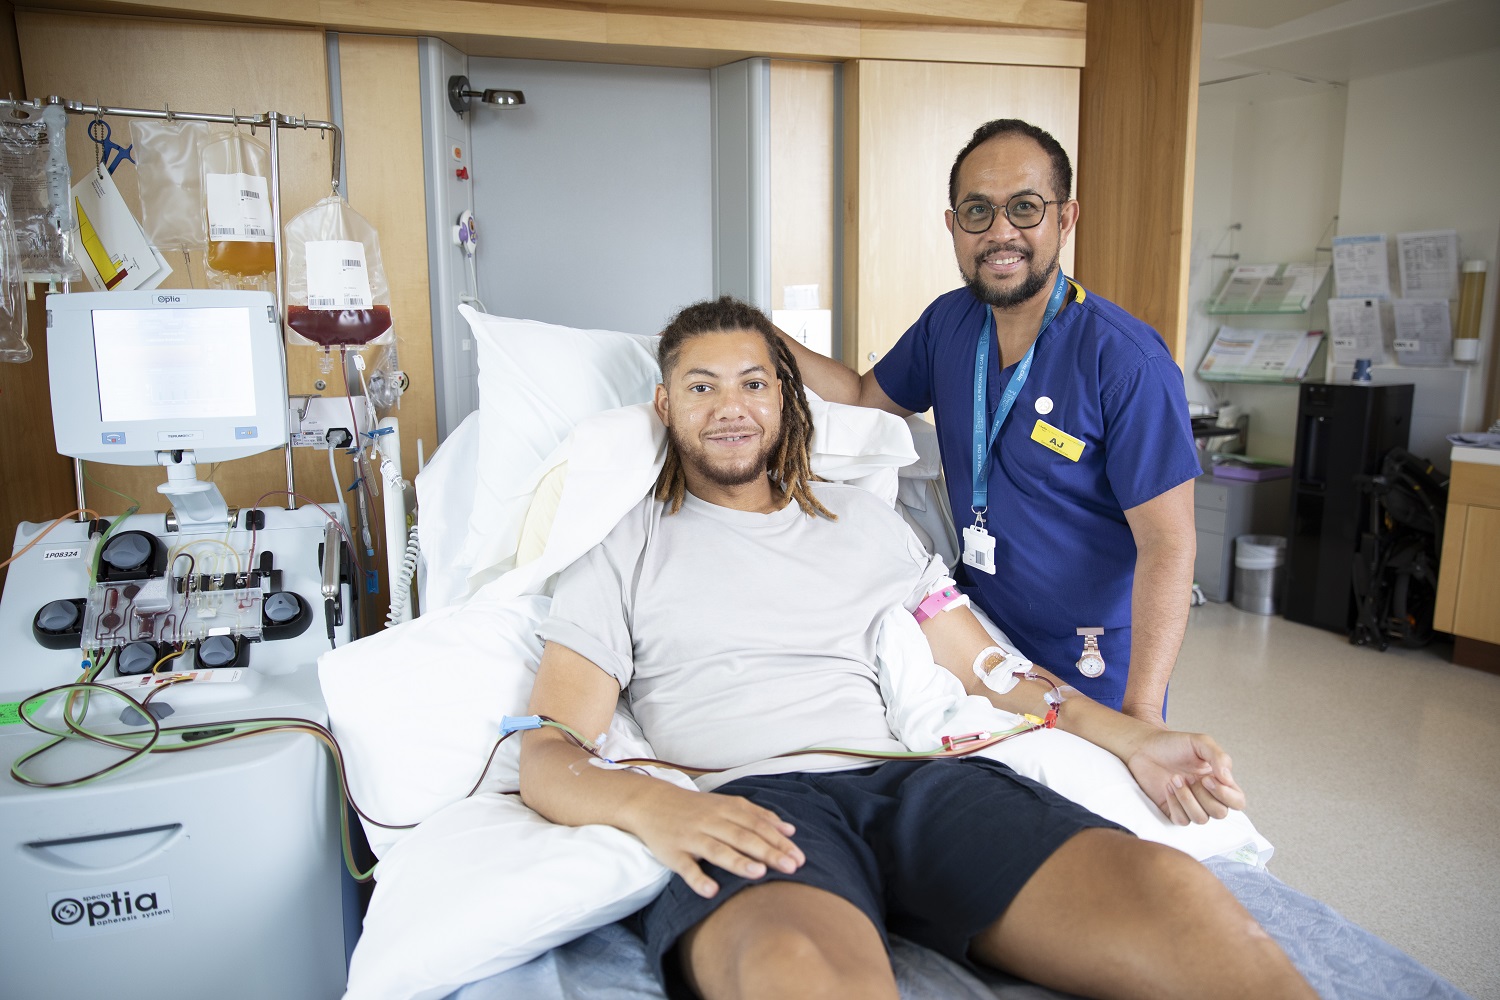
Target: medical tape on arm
{"x": 1000, "y": 669}
{"x": 944, "y": 596}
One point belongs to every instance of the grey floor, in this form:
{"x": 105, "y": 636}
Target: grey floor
{"x": 1376, "y": 775}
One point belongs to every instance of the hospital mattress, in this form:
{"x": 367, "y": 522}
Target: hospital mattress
{"x": 1341, "y": 960}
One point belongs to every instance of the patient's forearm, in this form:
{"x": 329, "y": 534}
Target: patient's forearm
{"x": 957, "y": 638}
{"x": 560, "y": 782}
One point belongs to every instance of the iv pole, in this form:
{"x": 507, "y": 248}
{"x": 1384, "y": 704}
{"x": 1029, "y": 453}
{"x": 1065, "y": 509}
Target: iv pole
{"x": 272, "y": 121}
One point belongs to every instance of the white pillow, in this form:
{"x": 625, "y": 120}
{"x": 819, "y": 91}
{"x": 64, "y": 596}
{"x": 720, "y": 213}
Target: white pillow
{"x": 416, "y": 708}
{"x": 445, "y": 496}
{"x": 485, "y": 885}
{"x": 536, "y": 381}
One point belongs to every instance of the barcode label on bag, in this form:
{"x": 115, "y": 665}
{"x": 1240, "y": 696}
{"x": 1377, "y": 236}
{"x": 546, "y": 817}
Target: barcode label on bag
{"x": 238, "y": 209}
{"x": 336, "y": 275}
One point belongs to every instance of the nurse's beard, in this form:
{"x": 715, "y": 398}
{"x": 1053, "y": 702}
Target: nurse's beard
{"x": 1036, "y": 280}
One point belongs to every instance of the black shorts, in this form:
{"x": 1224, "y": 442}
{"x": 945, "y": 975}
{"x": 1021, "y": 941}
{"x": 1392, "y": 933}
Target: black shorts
{"x": 931, "y": 850}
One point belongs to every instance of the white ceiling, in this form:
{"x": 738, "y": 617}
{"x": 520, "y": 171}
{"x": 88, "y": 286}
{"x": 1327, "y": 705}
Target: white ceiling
{"x": 1265, "y": 49}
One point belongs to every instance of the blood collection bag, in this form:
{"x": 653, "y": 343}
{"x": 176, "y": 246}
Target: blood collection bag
{"x": 237, "y": 195}
{"x": 169, "y": 173}
{"x": 13, "y": 346}
{"x": 336, "y": 291}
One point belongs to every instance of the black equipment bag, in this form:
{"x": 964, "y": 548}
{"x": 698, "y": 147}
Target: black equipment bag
{"x": 1396, "y": 567}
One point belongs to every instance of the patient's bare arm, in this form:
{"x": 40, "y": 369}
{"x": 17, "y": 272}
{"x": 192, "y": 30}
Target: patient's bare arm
{"x": 679, "y": 826}
{"x": 1187, "y": 775}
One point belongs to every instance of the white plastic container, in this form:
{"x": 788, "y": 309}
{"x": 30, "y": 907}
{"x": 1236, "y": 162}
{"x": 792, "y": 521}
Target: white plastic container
{"x": 1259, "y": 573}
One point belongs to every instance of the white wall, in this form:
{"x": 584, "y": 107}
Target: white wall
{"x": 1273, "y": 166}
{"x": 1408, "y": 150}
{"x": 1422, "y": 151}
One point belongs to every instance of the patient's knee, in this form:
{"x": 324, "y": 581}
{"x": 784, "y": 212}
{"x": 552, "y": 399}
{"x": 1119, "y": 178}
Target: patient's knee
{"x": 781, "y": 962}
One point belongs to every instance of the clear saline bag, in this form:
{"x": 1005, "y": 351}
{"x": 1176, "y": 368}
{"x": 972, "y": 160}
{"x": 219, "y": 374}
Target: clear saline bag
{"x": 336, "y": 291}
{"x": 34, "y": 158}
{"x": 169, "y": 173}
{"x": 13, "y": 346}
{"x": 237, "y": 195}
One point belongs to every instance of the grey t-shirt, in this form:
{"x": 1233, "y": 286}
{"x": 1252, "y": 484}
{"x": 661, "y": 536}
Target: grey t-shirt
{"x": 737, "y": 636}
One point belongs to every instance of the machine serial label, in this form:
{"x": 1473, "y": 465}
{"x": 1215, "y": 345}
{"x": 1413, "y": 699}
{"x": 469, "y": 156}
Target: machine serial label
{"x": 62, "y": 552}
{"x": 109, "y": 909}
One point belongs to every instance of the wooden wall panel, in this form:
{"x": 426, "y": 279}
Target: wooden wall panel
{"x": 1138, "y": 123}
{"x": 696, "y": 33}
{"x": 11, "y": 83}
{"x": 802, "y": 173}
{"x": 908, "y": 122}
{"x": 250, "y": 69}
{"x": 381, "y": 94}
{"x": 36, "y": 482}
{"x": 140, "y": 63}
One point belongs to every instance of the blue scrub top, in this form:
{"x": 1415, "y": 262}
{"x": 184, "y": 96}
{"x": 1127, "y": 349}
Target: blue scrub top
{"x": 1064, "y": 554}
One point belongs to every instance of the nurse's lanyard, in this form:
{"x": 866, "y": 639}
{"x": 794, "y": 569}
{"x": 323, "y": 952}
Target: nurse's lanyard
{"x": 979, "y": 544}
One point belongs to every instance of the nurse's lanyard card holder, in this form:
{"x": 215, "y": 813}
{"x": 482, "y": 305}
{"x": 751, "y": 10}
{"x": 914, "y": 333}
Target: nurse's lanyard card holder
{"x": 979, "y": 544}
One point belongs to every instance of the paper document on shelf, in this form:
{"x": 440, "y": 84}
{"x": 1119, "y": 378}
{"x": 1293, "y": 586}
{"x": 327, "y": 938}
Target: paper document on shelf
{"x": 1242, "y": 285}
{"x": 1429, "y": 264}
{"x": 116, "y": 256}
{"x": 1306, "y": 279}
{"x": 1269, "y": 355}
{"x": 1355, "y": 328}
{"x": 1424, "y": 333}
{"x": 1360, "y": 267}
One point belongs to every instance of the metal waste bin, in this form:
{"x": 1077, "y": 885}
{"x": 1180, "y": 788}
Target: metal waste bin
{"x": 1259, "y": 573}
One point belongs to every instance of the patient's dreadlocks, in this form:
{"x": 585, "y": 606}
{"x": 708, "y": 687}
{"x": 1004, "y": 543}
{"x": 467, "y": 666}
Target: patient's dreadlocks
{"x": 790, "y": 465}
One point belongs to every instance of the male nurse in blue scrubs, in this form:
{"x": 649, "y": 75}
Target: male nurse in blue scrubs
{"x": 1064, "y": 432}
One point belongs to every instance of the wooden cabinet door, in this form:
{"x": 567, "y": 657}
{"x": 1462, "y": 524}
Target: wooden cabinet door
{"x": 1477, "y": 609}
{"x": 904, "y": 122}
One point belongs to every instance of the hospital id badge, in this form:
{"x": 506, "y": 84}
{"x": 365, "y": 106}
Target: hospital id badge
{"x": 979, "y": 549}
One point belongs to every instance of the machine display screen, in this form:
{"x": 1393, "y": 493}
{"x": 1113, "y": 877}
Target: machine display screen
{"x": 167, "y": 364}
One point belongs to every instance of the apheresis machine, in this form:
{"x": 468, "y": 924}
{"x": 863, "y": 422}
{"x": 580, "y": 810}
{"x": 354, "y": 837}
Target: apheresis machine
{"x": 170, "y": 824}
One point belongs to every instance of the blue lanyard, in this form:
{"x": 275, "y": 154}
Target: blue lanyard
{"x": 983, "y": 453}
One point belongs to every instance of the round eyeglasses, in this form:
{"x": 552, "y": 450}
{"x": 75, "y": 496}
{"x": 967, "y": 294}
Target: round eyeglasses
{"x": 1025, "y": 211}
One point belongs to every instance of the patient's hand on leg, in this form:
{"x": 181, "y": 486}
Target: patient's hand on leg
{"x": 682, "y": 827}
{"x": 784, "y": 939}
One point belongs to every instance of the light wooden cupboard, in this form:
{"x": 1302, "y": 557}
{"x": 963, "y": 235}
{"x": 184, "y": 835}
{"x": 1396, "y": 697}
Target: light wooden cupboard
{"x": 1468, "y": 596}
{"x": 904, "y": 122}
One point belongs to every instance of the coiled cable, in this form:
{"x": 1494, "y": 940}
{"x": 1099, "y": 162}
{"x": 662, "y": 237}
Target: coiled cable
{"x": 401, "y": 586}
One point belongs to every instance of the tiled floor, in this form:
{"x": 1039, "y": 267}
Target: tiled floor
{"x": 1376, "y": 775}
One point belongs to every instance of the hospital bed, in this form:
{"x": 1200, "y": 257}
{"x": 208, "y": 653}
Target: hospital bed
{"x": 483, "y": 898}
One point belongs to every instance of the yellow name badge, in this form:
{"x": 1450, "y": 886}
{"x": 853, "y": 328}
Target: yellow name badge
{"x": 1066, "y": 445}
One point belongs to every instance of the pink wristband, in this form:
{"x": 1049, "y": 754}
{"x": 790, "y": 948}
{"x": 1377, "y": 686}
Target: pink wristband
{"x": 935, "y": 602}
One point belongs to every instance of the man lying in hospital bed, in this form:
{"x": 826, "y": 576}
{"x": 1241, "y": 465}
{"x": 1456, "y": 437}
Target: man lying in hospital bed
{"x": 739, "y": 613}
{"x": 484, "y": 885}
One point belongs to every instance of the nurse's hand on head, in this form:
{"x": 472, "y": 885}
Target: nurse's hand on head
{"x": 1187, "y": 775}
{"x": 682, "y": 827}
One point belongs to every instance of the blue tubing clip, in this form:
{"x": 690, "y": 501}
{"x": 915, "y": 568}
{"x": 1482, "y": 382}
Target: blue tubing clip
{"x": 514, "y": 723}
